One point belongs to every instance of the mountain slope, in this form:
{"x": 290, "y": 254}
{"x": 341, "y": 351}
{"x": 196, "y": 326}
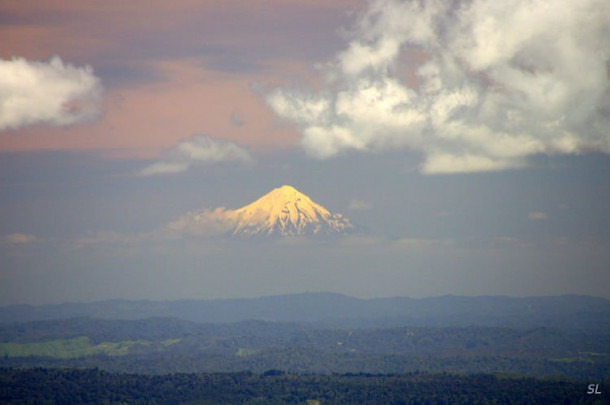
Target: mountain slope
{"x": 285, "y": 211}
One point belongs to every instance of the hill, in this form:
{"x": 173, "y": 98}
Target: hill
{"x": 336, "y": 310}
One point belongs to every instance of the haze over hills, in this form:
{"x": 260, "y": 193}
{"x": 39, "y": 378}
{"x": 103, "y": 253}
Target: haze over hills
{"x": 338, "y": 310}
{"x": 317, "y": 333}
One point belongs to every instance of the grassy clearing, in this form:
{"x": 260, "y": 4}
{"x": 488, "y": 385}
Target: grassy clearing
{"x": 242, "y": 352}
{"x": 170, "y": 342}
{"x": 68, "y": 348}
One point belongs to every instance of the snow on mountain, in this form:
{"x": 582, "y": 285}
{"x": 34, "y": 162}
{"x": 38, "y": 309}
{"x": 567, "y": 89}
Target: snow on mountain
{"x": 283, "y": 211}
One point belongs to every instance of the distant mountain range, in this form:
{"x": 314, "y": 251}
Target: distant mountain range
{"x": 336, "y": 310}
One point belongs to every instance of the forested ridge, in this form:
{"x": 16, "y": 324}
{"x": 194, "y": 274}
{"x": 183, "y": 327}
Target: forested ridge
{"x": 446, "y": 350}
{"x": 74, "y": 386}
{"x": 161, "y": 345}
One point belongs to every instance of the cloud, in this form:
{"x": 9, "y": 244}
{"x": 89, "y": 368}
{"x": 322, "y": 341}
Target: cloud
{"x": 198, "y": 150}
{"x": 116, "y": 238}
{"x": 164, "y": 168}
{"x": 203, "y": 223}
{"x": 206, "y": 223}
{"x": 46, "y": 92}
{"x": 537, "y": 216}
{"x": 472, "y": 86}
{"x": 358, "y": 205}
{"x": 18, "y": 238}
{"x": 407, "y": 243}
{"x": 363, "y": 240}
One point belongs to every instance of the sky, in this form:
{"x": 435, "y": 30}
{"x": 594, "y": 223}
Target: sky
{"x": 469, "y": 139}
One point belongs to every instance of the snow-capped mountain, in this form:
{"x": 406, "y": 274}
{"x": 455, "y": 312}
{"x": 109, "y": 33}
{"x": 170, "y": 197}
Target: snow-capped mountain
{"x": 285, "y": 211}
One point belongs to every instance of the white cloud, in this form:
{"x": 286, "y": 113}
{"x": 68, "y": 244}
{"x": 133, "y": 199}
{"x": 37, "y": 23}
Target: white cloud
{"x": 198, "y": 150}
{"x": 203, "y": 223}
{"x": 46, "y": 92}
{"x": 358, "y": 205}
{"x": 491, "y": 83}
{"x": 164, "y": 168}
{"x": 116, "y": 238}
{"x": 18, "y": 238}
{"x": 363, "y": 240}
{"x": 296, "y": 107}
{"x": 406, "y": 243}
{"x": 206, "y": 223}
{"x": 537, "y": 216}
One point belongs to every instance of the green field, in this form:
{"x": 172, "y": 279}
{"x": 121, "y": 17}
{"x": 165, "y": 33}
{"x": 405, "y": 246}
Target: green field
{"x": 69, "y": 348}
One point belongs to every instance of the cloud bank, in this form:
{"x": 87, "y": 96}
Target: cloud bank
{"x": 18, "y": 239}
{"x": 358, "y": 205}
{"x": 537, "y": 215}
{"x": 471, "y": 85}
{"x": 207, "y": 222}
{"x": 198, "y": 150}
{"x": 46, "y": 92}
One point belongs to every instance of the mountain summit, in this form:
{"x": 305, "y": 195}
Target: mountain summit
{"x": 285, "y": 211}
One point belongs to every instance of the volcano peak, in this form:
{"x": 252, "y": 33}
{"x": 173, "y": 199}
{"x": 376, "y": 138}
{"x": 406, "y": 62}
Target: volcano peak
{"x": 285, "y": 211}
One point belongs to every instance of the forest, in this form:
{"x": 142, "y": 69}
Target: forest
{"x": 451, "y": 350}
{"x": 162, "y": 345}
{"x": 72, "y": 386}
